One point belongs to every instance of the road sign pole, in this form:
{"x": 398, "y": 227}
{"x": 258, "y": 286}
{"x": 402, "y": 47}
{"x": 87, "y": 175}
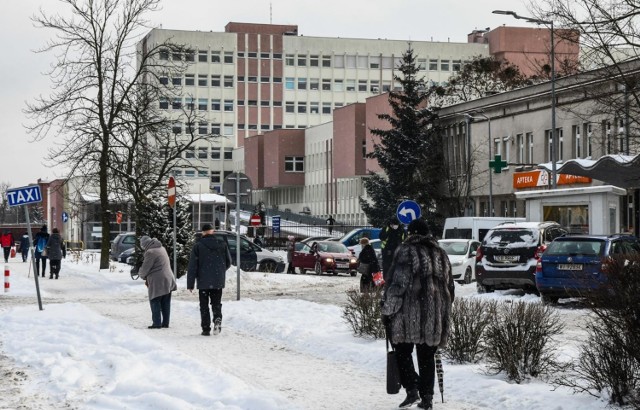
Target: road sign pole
{"x": 171, "y": 198}
{"x": 238, "y": 234}
{"x": 33, "y": 259}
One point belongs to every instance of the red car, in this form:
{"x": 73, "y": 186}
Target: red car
{"x": 325, "y": 256}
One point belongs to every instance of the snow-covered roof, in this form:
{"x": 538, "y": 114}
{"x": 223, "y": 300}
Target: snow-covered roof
{"x": 619, "y": 170}
{"x": 208, "y": 199}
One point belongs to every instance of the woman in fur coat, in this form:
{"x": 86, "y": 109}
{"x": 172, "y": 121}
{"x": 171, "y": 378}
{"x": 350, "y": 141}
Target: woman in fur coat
{"x": 416, "y": 307}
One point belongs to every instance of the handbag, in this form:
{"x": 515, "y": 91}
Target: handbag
{"x": 378, "y": 279}
{"x": 393, "y": 371}
{"x": 363, "y": 268}
{"x": 13, "y": 252}
{"x": 44, "y": 253}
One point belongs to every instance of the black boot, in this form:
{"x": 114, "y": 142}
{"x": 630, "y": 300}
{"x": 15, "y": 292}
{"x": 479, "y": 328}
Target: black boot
{"x": 412, "y": 398}
{"x": 426, "y": 403}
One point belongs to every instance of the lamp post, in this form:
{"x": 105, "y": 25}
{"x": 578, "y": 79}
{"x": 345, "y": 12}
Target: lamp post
{"x": 554, "y": 140}
{"x": 471, "y": 118}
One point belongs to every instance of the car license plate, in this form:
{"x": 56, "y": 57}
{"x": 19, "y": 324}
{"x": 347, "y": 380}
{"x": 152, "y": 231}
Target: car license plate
{"x": 569, "y": 266}
{"x": 343, "y": 266}
{"x": 506, "y": 258}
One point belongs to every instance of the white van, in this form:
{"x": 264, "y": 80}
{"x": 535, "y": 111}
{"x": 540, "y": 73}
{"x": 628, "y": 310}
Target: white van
{"x": 472, "y": 227}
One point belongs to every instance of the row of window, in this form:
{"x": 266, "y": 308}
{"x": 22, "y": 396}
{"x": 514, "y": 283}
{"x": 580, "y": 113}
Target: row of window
{"x": 338, "y": 84}
{"x": 215, "y": 104}
{"x": 202, "y": 128}
{"x": 204, "y": 80}
{"x": 201, "y": 104}
{"x": 213, "y": 56}
{"x": 369, "y": 62}
{"x": 215, "y": 176}
{"x": 313, "y": 107}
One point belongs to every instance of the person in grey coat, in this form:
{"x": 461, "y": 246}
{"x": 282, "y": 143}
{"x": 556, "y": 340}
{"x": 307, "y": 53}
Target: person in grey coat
{"x": 158, "y": 276}
{"x": 210, "y": 258}
{"x": 55, "y": 246}
{"x": 416, "y": 306}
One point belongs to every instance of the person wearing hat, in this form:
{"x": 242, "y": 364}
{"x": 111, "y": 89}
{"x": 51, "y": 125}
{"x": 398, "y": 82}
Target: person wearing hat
{"x": 391, "y": 237}
{"x": 291, "y": 247}
{"x": 158, "y": 276}
{"x": 368, "y": 265}
{"x": 55, "y": 246}
{"x": 210, "y": 258}
{"x": 40, "y": 246}
{"x": 416, "y": 306}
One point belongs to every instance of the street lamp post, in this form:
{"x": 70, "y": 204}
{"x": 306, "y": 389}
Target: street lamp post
{"x": 471, "y": 118}
{"x": 554, "y": 140}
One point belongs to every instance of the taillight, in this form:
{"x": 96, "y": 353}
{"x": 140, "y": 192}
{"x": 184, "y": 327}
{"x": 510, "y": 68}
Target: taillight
{"x": 479, "y": 254}
{"x": 540, "y": 251}
{"x": 539, "y": 267}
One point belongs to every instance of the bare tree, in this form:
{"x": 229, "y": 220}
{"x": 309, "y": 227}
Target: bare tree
{"x": 96, "y": 71}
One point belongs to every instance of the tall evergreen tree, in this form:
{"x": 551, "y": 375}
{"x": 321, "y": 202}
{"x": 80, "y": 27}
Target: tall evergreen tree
{"x": 409, "y": 152}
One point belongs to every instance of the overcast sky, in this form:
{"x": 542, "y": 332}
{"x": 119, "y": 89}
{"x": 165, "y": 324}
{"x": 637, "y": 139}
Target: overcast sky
{"x": 21, "y": 159}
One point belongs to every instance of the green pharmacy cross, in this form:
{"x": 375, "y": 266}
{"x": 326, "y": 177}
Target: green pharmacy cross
{"x": 497, "y": 164}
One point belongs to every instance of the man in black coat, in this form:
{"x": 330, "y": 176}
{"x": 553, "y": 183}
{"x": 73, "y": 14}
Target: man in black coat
{"x": 209, "y": 261}
{"x": 391, "y": 237}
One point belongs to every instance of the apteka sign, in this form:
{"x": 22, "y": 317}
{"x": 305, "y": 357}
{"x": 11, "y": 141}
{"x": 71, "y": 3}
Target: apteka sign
{"x": 24, "y": 196}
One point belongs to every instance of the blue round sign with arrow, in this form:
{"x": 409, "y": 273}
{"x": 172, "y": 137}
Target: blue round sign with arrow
{"x": 65, "y": 217}
{"x": 408, "y": 211}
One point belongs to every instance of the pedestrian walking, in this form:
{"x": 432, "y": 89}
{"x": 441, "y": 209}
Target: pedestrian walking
{"x": 210, "y": 258}
{"x": 24, "y": 246}
{"x": 391, "y": 237}
{"x": 368, "y": 265}
{"x": 54, "y": 248}
{"x": 415, "y": 310}
{"x": 291, "y": 247}
{"x": 158, "y": 276}
{"x": 40, "y": 246}
{"x": 6, "y": 241}
{"x": 330, "y": 223}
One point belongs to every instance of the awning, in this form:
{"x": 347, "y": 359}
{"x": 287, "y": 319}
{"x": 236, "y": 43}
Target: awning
{"x": 619, "y": 170}
{"x": 208, "y": 199}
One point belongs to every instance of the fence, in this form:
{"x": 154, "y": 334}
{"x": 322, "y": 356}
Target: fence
{"x": 277, "y": 241}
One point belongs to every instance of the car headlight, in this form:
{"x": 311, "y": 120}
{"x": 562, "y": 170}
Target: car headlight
{"x": 456, "y": 263}
{"x": 353, "y": 260}
{"x": 329, "y": 260}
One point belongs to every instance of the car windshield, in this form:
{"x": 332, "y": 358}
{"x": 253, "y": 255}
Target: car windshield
{"x": 512, "y": 238}
{"x": 454, "y": 248}
{"x": 576, "y": 247}
{"x": 332, "y": 247}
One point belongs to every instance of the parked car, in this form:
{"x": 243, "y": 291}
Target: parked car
{"x": 121, "y": 243}
{"x": 124, "y": 256}
{"x": 352, "y": 237}
{"x": 252, "y": 256}
{"x": 325, "y": 256}
{"x": 509, "y": 254}
{"x": 462, "y": 255}
{"x": 572, "y": 265}
{"x": 312, "y": 239}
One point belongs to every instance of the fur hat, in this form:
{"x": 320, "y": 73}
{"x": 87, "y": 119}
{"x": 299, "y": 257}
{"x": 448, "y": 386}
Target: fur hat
{"x": 418, "y": 227}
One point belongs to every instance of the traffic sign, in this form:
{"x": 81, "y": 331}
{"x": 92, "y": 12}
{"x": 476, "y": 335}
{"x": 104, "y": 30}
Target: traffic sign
{"x": 408, "y": 211}
{"x": 239, "y": 185}
{"x": 171, "y": 190}
{"x": 23, "y": 196}
{"x": 275, "y": 224}
{"x": 255, "y": 220}
{"x": 65, "y": 217}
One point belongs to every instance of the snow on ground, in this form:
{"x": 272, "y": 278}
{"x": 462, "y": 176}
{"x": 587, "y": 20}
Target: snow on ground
{"x": 283, "y": 345}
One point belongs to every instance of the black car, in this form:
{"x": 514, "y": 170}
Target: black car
{"x": 252, "y": 256}
{"x": 509, "y": 254}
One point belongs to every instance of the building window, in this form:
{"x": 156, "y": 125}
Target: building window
{"x": 228, "y": 81}
{"x": 433, "y": 65}
{"x": 177, "y": 103}
{"x": 589, "y": 135}
{"x": 277, "y": 79}
{"x": 374, "y": 62}
{"x": 190, "y": 56}
{"x": 215, "y": 175}
{"x": 362, "y": 85}
{"x": 228, "y": 153}
{"x": 314, "y": 108}
{"x": 326, "y": 84}
{"x": 375, "y": 86}
{"x": 215, "y": 129}
{"x": 215, "y": 105}
{"x": 176, "y": 56}
{"x": 290, "y": 60}
{"x": 202, "y": 152}
{"x": 252, "y": 79}
{"x": 302, "y": 60}
{"x": 363, "y": 61}
{"x": 164, "y": 103}
{"x": 264, "y": 103}
{"x": 203, "y": 173}
{"x": 164, "y": 54}
{"x": 202, "y": 104}
{"x": 290, "y": 83}
{"x": 444, "y": 65}
{"x": 364, "y": 149}
{"x": 314, "y": 61}
{"x": 422, "y": 64}
{"x": 202, "y": 56}
{"x": 253, "y": 126}
{"x": 189, "y": 173}
{"x": 202, "y": 80}
{"x": 215, "y": 56}
{"x": 314, "y": 83}
{"x": 294, "y": 164}
{"x": 302, "y": 83}
{"x": 228, "y": 130}
{"x": 277, "y": 56}
{"x": 215, "y": 80}
{"x": 456, "y": 65}
{"x": 176, "y": 128}
{"x": 338, "y": 85}
{"x": 302, "y": 107}
{"x": 264, "y": 79}
{"x": 203, "y": 128}
{"x": 189, "y": 79}
{"x": 529, "y": 143}
{"x": 326, "y": 108}
{"x": 228, "y": 105}
{"x": 326, "y": 61}
{"x": 577, "y": 153}
{"x": 289, "y": 106}
{"x": 215, "y": 153}
{"x": 351, "y": 85}
{"x": 252, "y": 103}
{"x": 228, "y": 57}
{"x": 264, "y": 127}
{"x": 164, "y": 80}
{"x": 265, "y": 55}
{"x": 277, "y": 103}
{"x": 190, "y": 103}
{"x": 521, "y": 148}
{"x": 252, "y": 54}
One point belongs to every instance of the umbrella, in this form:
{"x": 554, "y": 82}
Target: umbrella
{"x": 439, "y": 372}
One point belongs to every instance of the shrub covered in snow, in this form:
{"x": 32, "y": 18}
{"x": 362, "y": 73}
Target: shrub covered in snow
{"x": 468, "y": 322}
{"x": 362, "y": 312}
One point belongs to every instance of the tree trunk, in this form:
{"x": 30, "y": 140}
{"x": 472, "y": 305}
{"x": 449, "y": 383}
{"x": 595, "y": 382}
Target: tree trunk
{"x": 105, "y": 244}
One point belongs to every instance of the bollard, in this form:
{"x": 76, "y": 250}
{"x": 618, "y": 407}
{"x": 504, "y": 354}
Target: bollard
{"x": 6, "y": 278}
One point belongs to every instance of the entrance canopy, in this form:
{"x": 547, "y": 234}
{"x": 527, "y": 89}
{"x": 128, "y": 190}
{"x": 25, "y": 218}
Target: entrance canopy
{"x": 620, "y": 170}
{"x": 208, "y": 199}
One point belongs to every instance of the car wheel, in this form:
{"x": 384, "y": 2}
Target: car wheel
{"x": 484, "y": 289}
{"x": 318, "y": 268}
{"x": 548, "y": 300}
{"x": 335, "y": 272}
{"x": 268, "y": 266}
{"x": 467, "y": 275}
{"x": 302, "y": 270}
{"x": 353, "y": 273}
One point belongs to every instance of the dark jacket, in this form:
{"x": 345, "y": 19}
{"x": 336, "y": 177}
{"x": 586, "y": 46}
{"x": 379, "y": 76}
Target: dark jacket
{"x": 54, "y": 247}
{"x": 390, "y": 239}
{"x": 210, "y": 258}
{"x": 24, "y": 243}
{"x": 156, "y": 269}
{"x": 42, "y": 237}
{"x": 368, "y": 255}
{"x": 419, "y": 294}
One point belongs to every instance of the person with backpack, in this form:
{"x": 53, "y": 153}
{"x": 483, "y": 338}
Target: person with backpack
{"x": 40, "y": 247}
{"x": 6, "y": 240}
{"x": 55, "y": 246}
{"x": 24, "y": 246}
